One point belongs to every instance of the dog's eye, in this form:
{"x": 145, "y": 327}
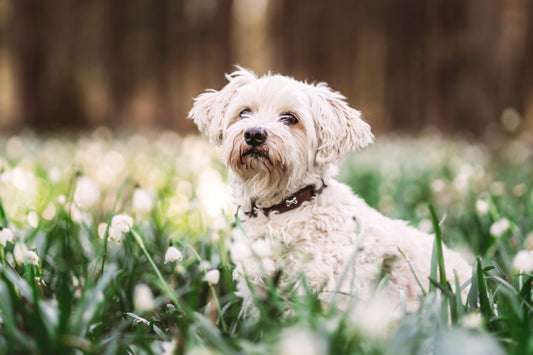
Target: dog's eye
{"x": 288, "y": 118}
{"x": 245, "y": 113}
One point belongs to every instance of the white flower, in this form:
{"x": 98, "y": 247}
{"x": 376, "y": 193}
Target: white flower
{"x": 169, "y": 347}
{"x": 22, "y": 180}
{"x": 122, "y": 222}
{"x": 33, "y": 219}
{"x": 212, "y": 276}
{"x": 87, "y": 192}
{"x": 497, "y": 188}
{"x": 463, "y": 341}
{"x": 528, "y": 242}
{"x": 301, "y": 341}
{"x": 425, "y": 225}
{"x": 32, "y": 257}
{"x": 173, "y": 254}
{"x": 61, "y": 199}
{"x": 438, "y": 185}
{"x": 5, "y": 178}
{"x": 482, "y": 207}
{"x": 374, "y": 317}
{"x": 214, "y": 237}
{"x": 461, "y": 180}
{"x": 49, "y": 212}
{"x": 472, "y": 320}
{"x": 498, "y": 228}
{"x": 204, "y": 265}
{"x": 115, "y": 235}
{"x": 523, "y": 261}
{"x": 510, "y": 119}
{"x": 143, "y": 299}
{"x": 220, "y": 223}
{"x": 519, "y": 190}
{"x": 54, "y": 174}
{"x": 201, "y": 350}
{"x": 19, "y": 252}
{"x": 75, "y": 213}
{"x": 179, "y": 269}
{"x": 6, "y": 235}
{"x": 40, "y": 282}
{"x": 212, "y": 193}
{"x": 142, "y": 202}
{"x": 102, "y": 228}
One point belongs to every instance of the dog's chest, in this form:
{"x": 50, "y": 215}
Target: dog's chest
{"x": 305, "y": 233}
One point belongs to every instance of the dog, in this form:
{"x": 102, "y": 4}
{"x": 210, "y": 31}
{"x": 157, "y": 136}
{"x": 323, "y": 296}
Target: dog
{"x": 280, "y": 140}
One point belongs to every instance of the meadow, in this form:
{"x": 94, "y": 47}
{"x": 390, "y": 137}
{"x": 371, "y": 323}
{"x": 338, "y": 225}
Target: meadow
{"x": 119, "y": 244}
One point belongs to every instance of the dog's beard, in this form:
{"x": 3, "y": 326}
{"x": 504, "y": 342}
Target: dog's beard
{"x": 250, "y": 158}
{"x": 263, "y": 167}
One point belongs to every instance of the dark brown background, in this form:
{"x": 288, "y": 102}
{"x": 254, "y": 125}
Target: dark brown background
{"x": 407, "y": 64}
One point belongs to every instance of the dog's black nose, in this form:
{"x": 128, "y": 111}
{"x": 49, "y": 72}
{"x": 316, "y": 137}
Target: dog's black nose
{"x": 255, "y": 136}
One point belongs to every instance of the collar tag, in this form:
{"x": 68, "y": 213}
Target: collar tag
{"x": 292, "y": 201}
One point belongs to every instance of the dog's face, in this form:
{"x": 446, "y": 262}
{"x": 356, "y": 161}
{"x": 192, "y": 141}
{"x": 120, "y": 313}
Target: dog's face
{"x": 275, "y": 131}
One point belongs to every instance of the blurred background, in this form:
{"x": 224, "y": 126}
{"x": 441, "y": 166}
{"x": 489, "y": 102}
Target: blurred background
{"x": 409, "y": 65}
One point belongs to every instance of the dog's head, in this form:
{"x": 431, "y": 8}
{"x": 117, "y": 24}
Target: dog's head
{"x": 277, "y": 130}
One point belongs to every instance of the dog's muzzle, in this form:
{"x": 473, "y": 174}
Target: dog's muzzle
{"x": 255, "y": 136}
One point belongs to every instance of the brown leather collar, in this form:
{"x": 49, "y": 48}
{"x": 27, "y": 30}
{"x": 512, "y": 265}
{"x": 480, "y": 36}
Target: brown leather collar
{"x": 293, "y": 201}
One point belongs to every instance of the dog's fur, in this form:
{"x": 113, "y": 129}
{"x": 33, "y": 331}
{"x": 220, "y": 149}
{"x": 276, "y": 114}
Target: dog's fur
{"x": 336, "y": 233}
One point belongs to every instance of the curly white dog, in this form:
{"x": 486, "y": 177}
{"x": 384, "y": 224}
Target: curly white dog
{"x": 280, "y": 140}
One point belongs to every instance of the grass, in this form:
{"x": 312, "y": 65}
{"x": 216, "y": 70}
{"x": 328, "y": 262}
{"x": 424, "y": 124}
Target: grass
{"x": 93, "y": 285}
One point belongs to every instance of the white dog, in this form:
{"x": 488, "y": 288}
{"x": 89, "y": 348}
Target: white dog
{"x": 280, "y": 140}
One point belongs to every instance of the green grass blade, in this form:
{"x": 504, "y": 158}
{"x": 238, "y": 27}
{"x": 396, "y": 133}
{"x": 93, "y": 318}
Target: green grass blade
{"x": 413, "y": 271}
{"x": 149, "y": 324}
{"x": 433, "y": 268}
{"x": 438, "y": 243}
{"x": 3, "y": 216}
{"x": 8, "y": 312}
{"x": 459, "y": 308}
{"x": 484, "y": 300}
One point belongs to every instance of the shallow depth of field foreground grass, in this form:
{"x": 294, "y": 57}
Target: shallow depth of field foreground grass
{"x": 120, "y": 244}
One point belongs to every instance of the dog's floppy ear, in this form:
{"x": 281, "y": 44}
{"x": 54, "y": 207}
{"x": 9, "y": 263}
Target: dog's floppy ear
{"x": 210, "y": 107}
{"x": 339, "y": 127}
